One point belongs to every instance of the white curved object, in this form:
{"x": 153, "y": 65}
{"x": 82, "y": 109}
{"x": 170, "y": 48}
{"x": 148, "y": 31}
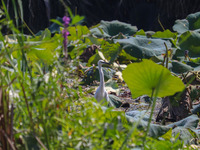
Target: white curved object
{"x": 101, "y": 92}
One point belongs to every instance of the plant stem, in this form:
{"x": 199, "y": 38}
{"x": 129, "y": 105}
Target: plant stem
{"x": 167, "y": 57}
{"x": 152, "y": 110}
{"x": 28, "y": 109}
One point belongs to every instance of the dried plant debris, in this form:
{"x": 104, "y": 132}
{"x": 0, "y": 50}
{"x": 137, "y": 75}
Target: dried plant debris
{"x": 90, "y": 51}
{"x": 176, "y": 107}
{"x": 6, "y": 121}
{"x": 192, "y": 77}
{"x": 195, "y": 94}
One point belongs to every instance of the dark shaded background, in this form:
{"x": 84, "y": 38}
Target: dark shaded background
{"x": 142, "y": 13}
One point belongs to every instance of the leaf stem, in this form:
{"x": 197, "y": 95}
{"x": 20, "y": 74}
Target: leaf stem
{"x": 167, "y": 57}
{"x": 152, "y": 110}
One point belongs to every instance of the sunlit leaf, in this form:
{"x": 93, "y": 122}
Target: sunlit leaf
{"x": 142, "y": 78}
{"x": 111, "y": 51}
{"x": 140, "y": 33}
{"x": 44, "y": 51}
{"x": 77, "y": 32}
{"x": 168, "y": 135}
{"x": 76, "y": 19}
{"x": 165, "y": 34}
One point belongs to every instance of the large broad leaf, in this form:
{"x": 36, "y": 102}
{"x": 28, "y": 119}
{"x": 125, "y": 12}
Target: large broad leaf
{"x": 192, "y": 22}
{"x": 137, "y": 114}
{"x": 181, "y": 26}
{"x": 155, "y": 129}
{"x": 184, "y": 128}
{"x": 189, "y": 40}
{"x": 112, "y": 28}
{"x": 178, "y": 67}
{"x": 185, "y": 134}
{"x": 141, "y": 47}
{"x": 142, "y": 78}
{"x": 189, "y": 122}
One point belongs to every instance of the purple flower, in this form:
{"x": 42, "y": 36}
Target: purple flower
{"x": 65, "y": 34}
{"x": 66, "y": 21}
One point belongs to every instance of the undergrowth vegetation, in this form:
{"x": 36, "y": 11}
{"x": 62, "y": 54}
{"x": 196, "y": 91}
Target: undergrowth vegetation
{"x": 43, "y": 103}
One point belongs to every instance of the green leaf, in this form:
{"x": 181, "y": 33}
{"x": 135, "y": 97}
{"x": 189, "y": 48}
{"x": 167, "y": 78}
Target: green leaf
{"x": 155, "y": 129}
{"x": 136, "y": 114}
{"x": 142, "y": 78}
{"x": 76, "y": 20}
{"x": 192, "y": 22}
{"x": 168, "y": 135}
{"x": 142, "y": 47}
{"x": 115, "y": 101}
{"x": 167, "y": 34}
{"x": 77, "y": 51}
{"x": 125, "y": 58}
{"x": 178, "y": 67}
{"x": 190, "y": 41}
{"x": 95, "y": 58}
{"x": 46, "y": 35}
{"x": 95, "y": 40}
{"x": 44, "y": 51}
{"x": 140, "y": 33}
{"x": 57, "y": 21}
{"x": 196, "y": 109}
{"x": 189, "y": 122}
{"x": 77, "y": 32}
{"x": 112, "y": 28}
{"x": 181, "y": 26}
{"x": 55, "y": 26}
{"x": 185, "y": 135}
{"x": 111, "y": 51}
